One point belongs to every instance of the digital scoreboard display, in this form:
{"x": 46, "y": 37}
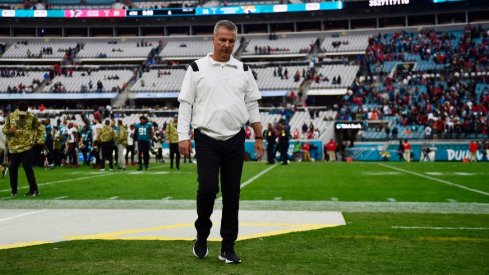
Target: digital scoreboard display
{"x": 160, "y": 12}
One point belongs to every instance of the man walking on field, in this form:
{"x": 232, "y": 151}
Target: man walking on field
{"x": 219, "y": 96}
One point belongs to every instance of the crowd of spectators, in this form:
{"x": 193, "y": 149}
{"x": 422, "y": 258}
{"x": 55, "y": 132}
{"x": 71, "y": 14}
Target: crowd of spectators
{"x": 444, "y": 102}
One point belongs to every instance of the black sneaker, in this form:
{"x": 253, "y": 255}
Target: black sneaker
{"x": 32, "y": 194}
{"x": 229, "y": 257}
{"x": 200, "y": 249}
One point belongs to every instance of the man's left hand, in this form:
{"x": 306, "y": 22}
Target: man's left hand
{"x": 259, "y": 149}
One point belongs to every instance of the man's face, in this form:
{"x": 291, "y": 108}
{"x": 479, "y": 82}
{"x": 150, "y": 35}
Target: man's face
{"x": 223, "y": 41}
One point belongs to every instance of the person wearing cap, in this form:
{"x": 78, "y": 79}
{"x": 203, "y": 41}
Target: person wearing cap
{"x": 106, "y": 138}
{"x": 219, "y": 95}
{"x": 172, "y": 137}
{"x": 143, "y": 134}
{"x": 23, "y": 131}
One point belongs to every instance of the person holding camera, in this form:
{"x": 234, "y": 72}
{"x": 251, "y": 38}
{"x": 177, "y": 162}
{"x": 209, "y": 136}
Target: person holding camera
{"x": 23, "y": 130}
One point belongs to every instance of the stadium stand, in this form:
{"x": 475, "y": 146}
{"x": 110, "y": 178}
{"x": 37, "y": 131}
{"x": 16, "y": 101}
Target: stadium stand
{"x": 159, "y": 81}
{"x": 333, "y": 76}
{"x": 278, "y": 77}
{"x": 279, "y": 44}
{"x": 13, "y": 81}
{"x": 28, "y": 49}
{"x": 187, "y": 48}
{"x": 116, "y": 49}
{"x": 343, "y": 42}
{"x": 97, "y": 81}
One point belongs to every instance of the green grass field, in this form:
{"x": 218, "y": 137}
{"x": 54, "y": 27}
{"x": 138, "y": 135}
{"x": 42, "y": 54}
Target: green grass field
{"x": 386, "y": 231}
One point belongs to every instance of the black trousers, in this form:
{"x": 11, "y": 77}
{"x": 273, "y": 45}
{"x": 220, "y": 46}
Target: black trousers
{"x": 72, "y": 156}
{"x": 143, "y": 153}
{"x": 224, "y": 159}
{"x": 174, "y": 154}
{"x": 107, "y": 149}
{"x": 271, "y": 152}
{"x": 26, "y": 159}
{"x": 86, "y": 155}
{"x": 283, "y": 148}
{"x": 130, "y": 148}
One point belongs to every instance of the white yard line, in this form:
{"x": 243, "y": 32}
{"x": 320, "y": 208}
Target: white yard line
{"x": 60, "y": 198}
{"x": 257, "y": 176}
{"x": 439, "y": 228}
{"x": 435, "y": 179}
{"x": 22, "y": 215}
{"x": 61, "y": 181}
{"x": 343, "y": 206}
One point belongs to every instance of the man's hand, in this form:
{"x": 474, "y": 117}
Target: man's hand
{"x": 185, "y": 147}
{"x": 12, "y": 130}
{"x": 259, "y": 149}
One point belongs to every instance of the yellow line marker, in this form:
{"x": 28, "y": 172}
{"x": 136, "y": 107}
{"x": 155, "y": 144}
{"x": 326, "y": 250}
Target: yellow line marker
{"x": 122, "y": 235}
{"x": 22, "y": 244}
{"x": 111, "y": 235}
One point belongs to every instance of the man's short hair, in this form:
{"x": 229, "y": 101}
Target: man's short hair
{"x": 142, "y": 117}
{"x": 225, "y": 24}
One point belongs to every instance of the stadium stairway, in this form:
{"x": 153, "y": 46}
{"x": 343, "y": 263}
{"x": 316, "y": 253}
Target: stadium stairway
{"x": 242, "y": 47}
{"x": 121, "y": 99}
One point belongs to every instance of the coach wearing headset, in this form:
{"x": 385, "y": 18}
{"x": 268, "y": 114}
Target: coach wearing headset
{"x": 219, "y": 96}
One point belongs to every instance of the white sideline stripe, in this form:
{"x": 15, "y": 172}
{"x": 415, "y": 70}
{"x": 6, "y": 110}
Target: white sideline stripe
{"x": 435, "y": 179}
{"x": 257, "y": 176}
{"x": 60, "y": 198}
{"x": 61, "y": 181}
{"x": 21, "y": 215}
{"x": 343, "y": 206}
{"x": 440, "y": 228}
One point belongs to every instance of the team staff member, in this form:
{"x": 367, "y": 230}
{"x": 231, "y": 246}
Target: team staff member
{"x": 271, "y": 137}
{"x": 219, "y": 95}
{"x": 130, "y": 145}
{"x": 23, "y": 131}
{"x": 121, "y": 142}
{"x": 172, "y": 137}
{"x": 283, "y": 142}
{"x": 143, "y": 134}
{"x": 106, "y": 137}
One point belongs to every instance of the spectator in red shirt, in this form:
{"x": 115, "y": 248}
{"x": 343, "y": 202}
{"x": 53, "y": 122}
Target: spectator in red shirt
{"x": 331, "y": 150}
{"x": 407, "y": 150}
{"x": 473, "y": 148}
{"x": 306, "y": 148}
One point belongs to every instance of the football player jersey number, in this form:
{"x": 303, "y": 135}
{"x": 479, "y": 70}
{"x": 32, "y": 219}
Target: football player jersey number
{"x": 142, "y": 131}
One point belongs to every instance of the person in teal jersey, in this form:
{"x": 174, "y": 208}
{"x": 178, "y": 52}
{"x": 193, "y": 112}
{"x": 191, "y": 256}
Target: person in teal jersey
{"x": 143, "y": 134}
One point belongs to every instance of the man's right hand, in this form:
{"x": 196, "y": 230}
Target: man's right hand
{"x": 185, "y": 147}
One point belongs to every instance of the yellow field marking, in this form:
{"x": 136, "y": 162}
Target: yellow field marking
{"x": 122, "y": 235}
{"x": 22, "y": 244}
{"x": 113, "y": 235}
